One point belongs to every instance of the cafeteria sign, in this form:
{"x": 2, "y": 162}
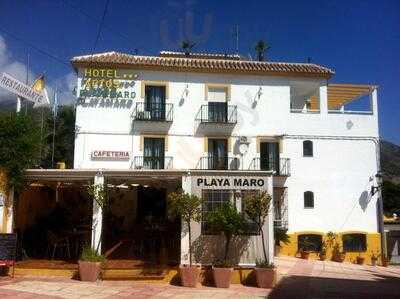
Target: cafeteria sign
{"x": 13, "y": 85}
{"x": 110, "y": 155}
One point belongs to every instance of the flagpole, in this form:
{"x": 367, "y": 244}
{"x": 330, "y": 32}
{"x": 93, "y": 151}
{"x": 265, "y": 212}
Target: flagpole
{"x": 54, "y": 126}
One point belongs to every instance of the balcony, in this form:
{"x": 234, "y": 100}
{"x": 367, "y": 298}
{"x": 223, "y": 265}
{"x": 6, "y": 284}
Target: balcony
{"x": 217, "y": 114}
{"x": 281, "y": 166}
{"x": 144, "y": 162}
{"x": 156, "y": 112}
{"x": 218, "y": 163}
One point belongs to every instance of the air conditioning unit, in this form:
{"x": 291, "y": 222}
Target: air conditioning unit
{"x": 243, "y": 139}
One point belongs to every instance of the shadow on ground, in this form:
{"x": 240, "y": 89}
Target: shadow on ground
{"x": 381, "y": 287}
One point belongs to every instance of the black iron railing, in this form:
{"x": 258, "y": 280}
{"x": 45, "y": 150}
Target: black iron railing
{"x": 153, "y": 112}
{"x": 281, "y": 166}
{"x": 215, "y": 113}
{"x": 218, "y": 163}
{"x": 149, "y": 162}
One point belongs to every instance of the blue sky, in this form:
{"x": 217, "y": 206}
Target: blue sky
{"x": 360, "y": 40}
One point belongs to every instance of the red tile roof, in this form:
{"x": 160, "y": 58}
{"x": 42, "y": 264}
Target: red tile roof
{"x": 174, "y": 62}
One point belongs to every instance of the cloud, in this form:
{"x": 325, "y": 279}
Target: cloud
{"x": 65, "y": 84}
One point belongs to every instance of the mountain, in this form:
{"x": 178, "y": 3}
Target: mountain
{"x": 390, "y": 161}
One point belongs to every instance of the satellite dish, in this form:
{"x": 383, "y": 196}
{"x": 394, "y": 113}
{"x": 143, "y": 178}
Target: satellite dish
{"x": 243, "y": 147}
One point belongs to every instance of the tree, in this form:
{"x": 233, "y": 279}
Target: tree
{"x": 187, "y": 46}
{"x": 257, "y": 208}
{"x": 391, "y": 197}
{"x": 19, "y": 146}
{"x": 260, "y": 48}
{"x": 188, "y": 207}
{"x": 228, "y": 221}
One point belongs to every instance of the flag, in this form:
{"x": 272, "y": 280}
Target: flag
{"x": 39, "y": 84}
{"x": 40, "y": 87}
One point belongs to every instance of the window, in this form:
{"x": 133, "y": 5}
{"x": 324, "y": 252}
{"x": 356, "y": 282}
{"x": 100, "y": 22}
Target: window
{"x": 354, "y": 242}
{"x": 309, "y": 242}
{"x": 308, "y": 200}
{"x": 269, "y": 156}
{"x": 155, "y": 102}
{"x": 217, "y": 105}
{"x": 214, "y": 199}
{"x": 307, "y": 148}
{"x": 153, "y": 154}
{"x": 217, "y": 154}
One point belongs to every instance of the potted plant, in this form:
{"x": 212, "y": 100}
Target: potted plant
{"x": 265, "y": 274}
{"x": 374, "y": 258}
{"x": 304, "y": 249}
{"x": 280, "y": 235}
{"x": 228, "y": 221}
{"x": 304, "y": 254}
{"x": 89, "y": 264}
{"x": 257, "y": 208}
{"x": 337, "y": 254}
{"x": 360, "y": 259}
{"x": 322, "y": 252}
{"x": 188, "y": 207}
{"x": 385, "y": 261}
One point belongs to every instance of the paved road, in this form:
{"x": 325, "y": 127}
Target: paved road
{"x": 297, "y": 279}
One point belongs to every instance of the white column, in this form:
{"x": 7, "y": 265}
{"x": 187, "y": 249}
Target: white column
{"x": 97, "y": 220}
{"x": 9, "y": 212}
{"x": 186, "y": 187}
{"x": 323, "y": 99}
{"x": 19, "y": 100}
{"x": 271, "y": 240}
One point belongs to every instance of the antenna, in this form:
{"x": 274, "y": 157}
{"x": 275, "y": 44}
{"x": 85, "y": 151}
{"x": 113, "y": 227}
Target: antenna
{"x": 236, "y": 36}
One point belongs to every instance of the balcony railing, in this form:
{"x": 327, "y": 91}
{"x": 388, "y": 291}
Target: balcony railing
{"x": 221, "y": 114}
{"x": 153, "y": 112}
{"x": 281, "y": 166}
{"x": 149, "y": 162}
{"x": 218, "y": 163}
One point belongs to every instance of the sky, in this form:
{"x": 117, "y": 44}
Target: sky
{"x": 360, "y": 40}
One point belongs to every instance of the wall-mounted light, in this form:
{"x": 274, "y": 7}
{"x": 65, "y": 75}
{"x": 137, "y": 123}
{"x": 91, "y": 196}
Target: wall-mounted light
{"x": 375, "y": 189}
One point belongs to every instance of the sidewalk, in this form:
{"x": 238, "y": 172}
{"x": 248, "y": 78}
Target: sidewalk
{"x": 297, "y": 279}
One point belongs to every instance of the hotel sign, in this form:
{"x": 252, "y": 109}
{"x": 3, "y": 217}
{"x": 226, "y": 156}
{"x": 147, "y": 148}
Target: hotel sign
{"x": 105, "y": 87}
{"x": 231, "y": 182}
{"x": 110, "y": 155}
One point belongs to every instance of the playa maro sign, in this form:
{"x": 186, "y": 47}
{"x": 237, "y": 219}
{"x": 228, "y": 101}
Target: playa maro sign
{"x": 107, "y": 88}
{"x": 230, "y": 182}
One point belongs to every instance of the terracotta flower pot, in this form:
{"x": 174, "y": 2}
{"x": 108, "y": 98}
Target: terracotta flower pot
{"x": 339, "y": 257}
{"x": 304, "y": 255}
{"x": 89, "y": 271}
{"x": 360, "y": 260}
{"x": 222, "y": 277}
{"x": 277, "y": 250}
{"x": 322, "y": 256}
{"x": 385, "y": 262}
{"x": 373, "y": 261}
{"x": 189, "y": 275}
{"x": 265, "y": 277}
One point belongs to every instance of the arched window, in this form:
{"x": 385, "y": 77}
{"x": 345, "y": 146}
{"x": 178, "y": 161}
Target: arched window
{"x": 307, "y": 148}
{"x": 308, "y": 200}
{"x": 354, "y": 242}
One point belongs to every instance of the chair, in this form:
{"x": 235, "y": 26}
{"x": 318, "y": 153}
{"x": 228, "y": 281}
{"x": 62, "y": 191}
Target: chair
{"x": 55, "y": 242}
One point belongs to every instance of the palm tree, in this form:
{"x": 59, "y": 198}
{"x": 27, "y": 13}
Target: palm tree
{"x": 260, "y": 48}
{"x": 187, "y": 46}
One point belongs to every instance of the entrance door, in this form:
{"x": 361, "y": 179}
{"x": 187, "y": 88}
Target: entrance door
{"x": 269, "y": 156}
{"x": 154, "y": 153}
{"x": 155, "y": 102}
{"x": 217, "y": 154}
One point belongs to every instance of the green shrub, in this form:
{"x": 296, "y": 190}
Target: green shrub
{"x": 91, "y": 255}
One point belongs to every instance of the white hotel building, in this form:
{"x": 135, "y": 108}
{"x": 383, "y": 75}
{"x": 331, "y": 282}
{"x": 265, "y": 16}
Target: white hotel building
{"x": 216, "y": 125}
